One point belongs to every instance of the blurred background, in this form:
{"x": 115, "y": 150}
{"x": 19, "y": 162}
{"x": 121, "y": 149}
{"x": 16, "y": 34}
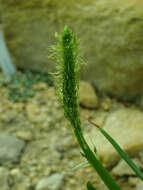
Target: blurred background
{"x": 37, "y": 148}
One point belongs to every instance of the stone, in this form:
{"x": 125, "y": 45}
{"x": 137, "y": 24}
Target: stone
{"x": 133, "y": 181}
{"x": 4, "y": 179}
{"x": 102, "y": 187}
{"x": 106, "y": 103}
{"x": 24, "y": 135}
{"x": 53, "y": 182}
{"x": 125, "y": 126}
{"x": 18, "y": 178}
{"x": 110, "y": 32}
{"x": 139, "y": 186}
{"x": 10, "y": 148}
{"x": 40, "y": 86}
{"x": 141, "y": 156}
{"x": 136, "y": 182}
{"x": 122, "y": 169}
{"x": 34, "y": 113}
{"x": 22, "y": 186}
{"x": 87, "y": 95}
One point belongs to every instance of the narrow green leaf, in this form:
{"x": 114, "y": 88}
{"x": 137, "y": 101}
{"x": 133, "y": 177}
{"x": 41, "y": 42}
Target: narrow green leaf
{"x": 120, "y": 151}
{"x": 122, "y": 154}
{"x": 81, "y": 165}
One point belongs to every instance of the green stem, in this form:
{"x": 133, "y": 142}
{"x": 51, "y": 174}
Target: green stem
{"x": 102, "y": 172}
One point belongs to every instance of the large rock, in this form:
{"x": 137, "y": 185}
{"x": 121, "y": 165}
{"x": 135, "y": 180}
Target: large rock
{"x": 123, "y": 169}
{"x": 110, "y": 32}
{"x": 125, "y": 125}
{"x": 87, "y": 95}
{"x": 53, "y": 182}
{"x": 10, "y": 149}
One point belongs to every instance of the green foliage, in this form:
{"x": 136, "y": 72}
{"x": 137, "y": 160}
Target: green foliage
{"x": 21, "y": 85}
{"x": 90, "y": 186}
{"x": 81, "y": 165}
{"x": 125, "y": 157}
{"x": 67, "y": 64}
{"x": 69, "y": 76}
{"x": 122, "y": 154}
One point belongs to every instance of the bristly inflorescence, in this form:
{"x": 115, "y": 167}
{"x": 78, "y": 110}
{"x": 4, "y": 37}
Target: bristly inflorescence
{"x": 67, "y": 74}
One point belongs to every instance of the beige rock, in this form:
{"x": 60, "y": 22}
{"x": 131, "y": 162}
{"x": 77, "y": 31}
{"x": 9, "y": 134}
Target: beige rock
{"x": 139, "y": 186}
{"x": 99, "y": 117}
{"x": 87, "y": 95}
{"x": 125, "y": 125}
{"x": 122, "y": 169}
{"x": 102, "y": 187}
{"x": 110, "y": 32}
{"x": 106, "y": 103}
{"x": 24, "y": 135}
{"x": 141, "y": 156}
{"x": 35, "y": 113}
{"x": 135, "y": 182}
{"x": 40, "y": 86}
{"x": 21, "y": 182}
{"x": 23, "y": 186}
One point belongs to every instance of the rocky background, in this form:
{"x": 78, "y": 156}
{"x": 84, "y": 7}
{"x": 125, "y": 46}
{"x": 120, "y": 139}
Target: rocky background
{"x": 110, "y": 35}
{"x": 37, "y": 146}
{"x": 38, "y": 150}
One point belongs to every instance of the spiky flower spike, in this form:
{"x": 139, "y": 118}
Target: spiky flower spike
{"x": 68, "y": 69}
{"x": 67, "y": 63}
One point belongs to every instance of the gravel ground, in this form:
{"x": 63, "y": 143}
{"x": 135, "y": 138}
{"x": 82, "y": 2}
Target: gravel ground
{"x": 51, "y": 147}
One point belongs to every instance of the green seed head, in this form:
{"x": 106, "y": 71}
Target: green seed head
{"x": 68, "y": 74}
